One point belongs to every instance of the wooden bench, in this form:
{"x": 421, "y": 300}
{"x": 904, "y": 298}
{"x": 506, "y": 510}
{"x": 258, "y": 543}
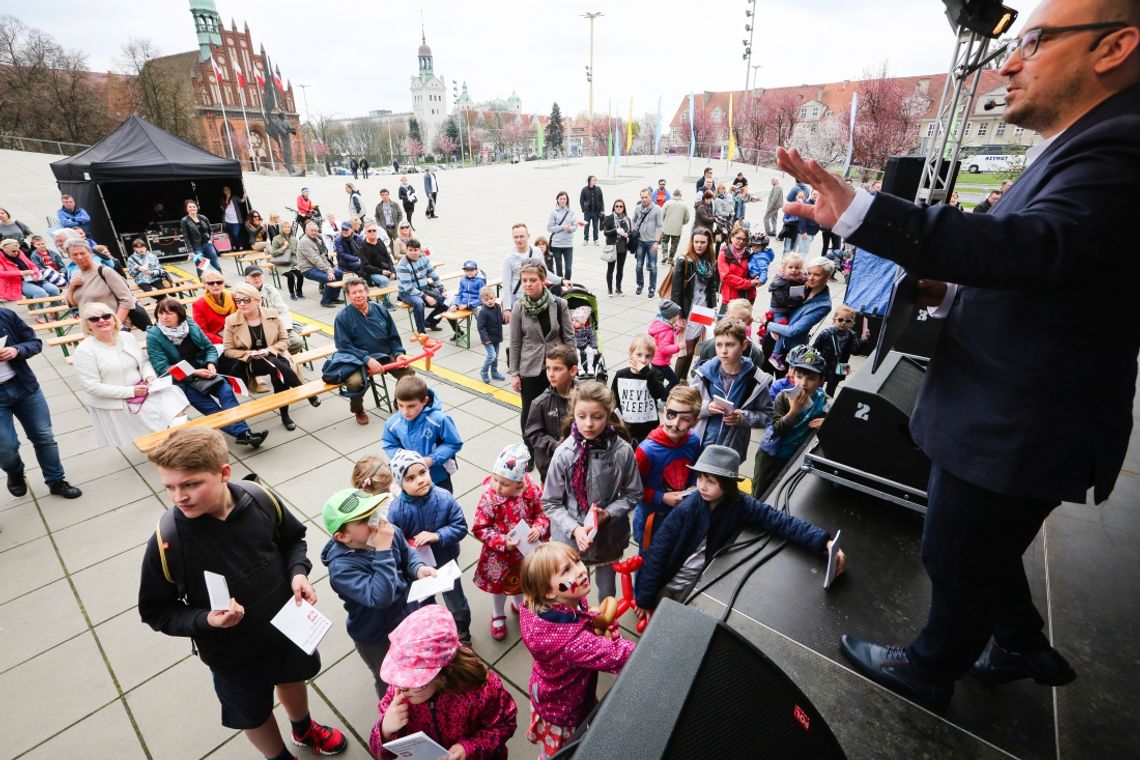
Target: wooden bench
{"x": 41, "y": 299}
{"x": 235, "y": 256}
{"x": 313, "y": 354}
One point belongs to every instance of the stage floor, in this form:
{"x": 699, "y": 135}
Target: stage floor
{"x": 1083, "y": 572}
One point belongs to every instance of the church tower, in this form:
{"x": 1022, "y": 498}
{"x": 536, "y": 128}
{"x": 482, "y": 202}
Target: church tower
{"x": 429, "y": 96}
{"x": 207, "y": 24}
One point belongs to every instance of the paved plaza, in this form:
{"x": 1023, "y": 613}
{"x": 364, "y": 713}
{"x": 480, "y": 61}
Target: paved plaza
{"x": 79, "y": 673}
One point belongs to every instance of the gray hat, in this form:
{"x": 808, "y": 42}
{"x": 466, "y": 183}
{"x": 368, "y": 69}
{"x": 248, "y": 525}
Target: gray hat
{"x": 718, "y": 460}
{"x": 253, "y": 269}
{"x": 668, "y": 309}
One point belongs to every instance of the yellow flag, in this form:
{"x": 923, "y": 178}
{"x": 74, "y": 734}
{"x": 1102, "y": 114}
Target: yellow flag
{"x": 629, "y": 129}
{"x": 731, "y": 136}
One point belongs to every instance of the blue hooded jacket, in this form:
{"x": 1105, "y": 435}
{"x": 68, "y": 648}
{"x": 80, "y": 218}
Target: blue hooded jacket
{"x": 373, "y": 586}
{"x": 437, "y": 512}
{"x": 432, "y": 433}
{"x": 469, "y": 287}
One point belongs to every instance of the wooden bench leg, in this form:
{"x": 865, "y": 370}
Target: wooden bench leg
{"x": 412, "y": 320}
{"x": 380, "y": 391}
{"x": 467, "y": 338}
{"x": 277, "y": 284}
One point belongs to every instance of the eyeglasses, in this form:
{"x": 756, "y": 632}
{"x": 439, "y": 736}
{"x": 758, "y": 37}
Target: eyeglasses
{"x": 101, "y": 318}
{"x": 243, "y": 300}
{"x": 1029, "y": 41}
{"x": 672, "y": 414}
{"x": 215, "y": 282}
{"x": 845, "y": 320}
{"x": 417, "y": 690}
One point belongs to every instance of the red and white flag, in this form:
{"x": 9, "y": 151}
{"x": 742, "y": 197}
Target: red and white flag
{"x": 237, "y": 385}
{"x": 702, "y": 315}
{"x": 260, "y": 80}
{"x": 277, "y": 81}
{"x": 217, "y": 71}
{"x": 181, "y": 370}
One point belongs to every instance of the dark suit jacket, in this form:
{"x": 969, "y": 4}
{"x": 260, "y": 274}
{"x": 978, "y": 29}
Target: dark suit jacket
{"x": 1040, "y": 278}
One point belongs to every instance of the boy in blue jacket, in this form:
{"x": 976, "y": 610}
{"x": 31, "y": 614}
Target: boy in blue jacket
{"x": 423, "y": 427}
{"x": 370, "y": 569}
{"x": 431, "y": 517}
{"x": 470, "y": 285}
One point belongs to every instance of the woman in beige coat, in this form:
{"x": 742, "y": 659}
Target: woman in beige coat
{"x": 256, "y": 337}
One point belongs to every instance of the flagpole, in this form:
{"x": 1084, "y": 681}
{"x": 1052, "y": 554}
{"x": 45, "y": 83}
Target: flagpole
{"x": 225, "y": 121}
{"x": 244, "y": 117}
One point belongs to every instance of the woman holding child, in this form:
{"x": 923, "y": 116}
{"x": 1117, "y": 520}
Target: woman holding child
{"x": 816, "y": 305}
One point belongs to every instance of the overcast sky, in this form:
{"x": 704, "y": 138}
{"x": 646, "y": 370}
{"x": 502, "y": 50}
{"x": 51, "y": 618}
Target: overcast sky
{"x": 359, "y": 56}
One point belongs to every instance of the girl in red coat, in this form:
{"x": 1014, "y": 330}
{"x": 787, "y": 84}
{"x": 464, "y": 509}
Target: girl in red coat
{"x": 443, "y": 689}
{"x": 733, "y": 269}
{"x": 509, "y": 497}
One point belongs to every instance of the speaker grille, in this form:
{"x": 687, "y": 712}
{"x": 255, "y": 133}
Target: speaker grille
{"x": 902, "y": 385}
{"x": 741, "y": 705}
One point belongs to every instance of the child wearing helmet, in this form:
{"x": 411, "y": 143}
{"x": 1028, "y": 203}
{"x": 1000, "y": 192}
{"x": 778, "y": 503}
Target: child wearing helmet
{"x": 760, "y": 256}
{"x": 799, "y": 410}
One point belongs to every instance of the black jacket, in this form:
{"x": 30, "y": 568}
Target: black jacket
{"x": 591, "y": 199}
{"x": 195, "y": 234}
{"x": 490, "y": 324}
{"x": 838, "y": 345}
{"x": 609, "y": 228}
{"x": 684, "y": 273}
{"x": 375, "y": 259}
{"x": 543, "y": 429}
{"x": 24, "y": 340}
{"x": 258, "y": 559}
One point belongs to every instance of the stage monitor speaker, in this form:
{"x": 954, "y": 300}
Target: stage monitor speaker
{"x": 696, "y": 688}
{"x": 903, "y": 173}
{"x": 921, "y": 336}
{"x": 868, "y": 426}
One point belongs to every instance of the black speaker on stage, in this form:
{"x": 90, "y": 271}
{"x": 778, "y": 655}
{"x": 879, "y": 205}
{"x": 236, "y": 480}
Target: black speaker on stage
{"x": 868, "y": 426}
{"x": 696, "y": 688}
{"x": 903, "y": 173}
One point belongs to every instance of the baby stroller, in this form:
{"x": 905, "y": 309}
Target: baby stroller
{"x": 591, "y": 364}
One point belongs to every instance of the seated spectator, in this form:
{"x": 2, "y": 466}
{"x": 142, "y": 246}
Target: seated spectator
{"x": 376, "y": 266}
{"x": 115, "y": 377}
{"x": 51, "y": 264}
{"x": 210, "y": 311}
{"x": 366, "y": 332}
{"x": 283, "y": 255}
{"x": 176, "y": 339}
{"x": 347, "y": 247}
{"x": 421, "y": 287}
{"x": 256, "y": 232}
{"x": 19, "y": 277}
{"x": 271, "y": 298}
{"x": 144, "y": 269}
{"x": 313, "y": 263}
{"x": 15, "y": 229}
{"x": 92, "y": 283}
{"x": 255, "y": 336}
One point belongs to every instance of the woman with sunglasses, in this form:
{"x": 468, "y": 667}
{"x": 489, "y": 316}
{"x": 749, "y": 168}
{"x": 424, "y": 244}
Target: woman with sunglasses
{"x": 255, "y": 232}
{"x": 217, "y": 303}
{"x": 400, "y": 243}
{"x": 256, "y": 337}
{"x": 616, "y": 228}
{"x": 176, "y": 339}
{"x": 116, "y": 377}
{"x": 283, "y": 255}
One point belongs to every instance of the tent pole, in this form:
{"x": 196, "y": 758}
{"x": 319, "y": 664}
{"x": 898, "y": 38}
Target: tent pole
{"x": 114, "y": 232}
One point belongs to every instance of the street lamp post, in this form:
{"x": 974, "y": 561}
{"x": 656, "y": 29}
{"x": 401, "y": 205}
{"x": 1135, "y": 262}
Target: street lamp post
{"x": 455, "y": 102}
{"x": 308, "y": 120}
{"x": 749, "y": 27}
{"x": 590, "y": 75}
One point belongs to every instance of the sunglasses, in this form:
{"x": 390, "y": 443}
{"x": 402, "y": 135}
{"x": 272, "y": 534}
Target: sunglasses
{"x": 101, "y": 318}
{"x": 243, "y": 300}
{"x": 844, "y": 321}
{"x": 215, "y": 282}
{"x": 672, "y": 414}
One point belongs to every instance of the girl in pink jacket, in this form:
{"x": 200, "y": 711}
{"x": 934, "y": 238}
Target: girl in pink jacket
{"x": 663, "y": 329}
{"x": 443, "y": 689}
{"x": 558, "y": 629}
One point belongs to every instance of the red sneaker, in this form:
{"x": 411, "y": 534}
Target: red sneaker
{"x": 323, "y": 740}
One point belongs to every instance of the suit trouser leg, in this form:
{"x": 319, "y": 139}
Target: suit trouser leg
{"x": 972, "y": 546}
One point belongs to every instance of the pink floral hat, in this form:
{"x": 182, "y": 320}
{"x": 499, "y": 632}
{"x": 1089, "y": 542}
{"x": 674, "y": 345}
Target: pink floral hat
{"x": 422, "y": 645}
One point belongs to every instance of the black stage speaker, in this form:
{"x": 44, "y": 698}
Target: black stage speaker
{"x": 921, "y": 335}
{"x": 903, "y": 173}
{"x": 696, "y": 688}
{"x": 868, "y": 426}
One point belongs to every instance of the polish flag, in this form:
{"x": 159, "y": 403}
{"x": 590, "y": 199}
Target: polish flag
{"x": 181, "y": 370}
{"x": 240, "y": 78}
{"x": 260, "y": 80}
{"x": 217, "y": 71}
{"x": 277, "y": 81}
{"x": 702, "y": 315}
{"x": 237, "y": 386}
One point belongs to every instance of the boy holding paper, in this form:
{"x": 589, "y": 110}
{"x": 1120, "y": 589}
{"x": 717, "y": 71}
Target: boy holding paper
{"x": 430, "y": 517}
{"x": 245, "y": 534}
{"x": 509, "y": 521}
{"x": 370, "y": 569}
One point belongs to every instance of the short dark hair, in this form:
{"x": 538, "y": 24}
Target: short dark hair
{"x": 413, "y": 243}
{"x": 171, "y": 306}
{"x": 138, "y": 242}
{"x": 568, "y": 355}
{"x": 411, "y": 388}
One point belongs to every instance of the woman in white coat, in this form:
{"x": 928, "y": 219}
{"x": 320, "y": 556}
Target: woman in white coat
{"x": 116, "y": 379}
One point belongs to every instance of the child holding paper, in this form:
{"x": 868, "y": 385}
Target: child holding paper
{"x": 430, "y": 516}
{"x": 558, "y": 630}
{"x": 797, "y": 411}
{"x": 370, "y": 568}
{"x": 441, "y": 688}
{"x": 592, "y": 484}
{"x": 510, "y": 498}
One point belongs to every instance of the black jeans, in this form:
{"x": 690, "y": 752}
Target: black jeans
{"x": 617, "y": 267}
{"x": 972, "y": 544}
{"x": 532, "y": 388}
{"x": 830, "y": 241}
{"x": 294, "y": 280}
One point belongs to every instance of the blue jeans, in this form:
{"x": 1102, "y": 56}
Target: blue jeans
{"x": 418, "y": 307}
{"x": 207, "y": 405}
{"x": 317, "y": 275}
{"x": 645, "y": 257}
{"x": 491, "y": 363}
{"x": 592, "y": 219}
{"x": 31, "y": 410}
{"x": 379, "y": 280}
{"x": 563, "y": 260}
{"x": 803, "y": 245}
{"x": 38, "y": 289}
{"x": 208, "y": 250}
{"x": 234, "y": 231}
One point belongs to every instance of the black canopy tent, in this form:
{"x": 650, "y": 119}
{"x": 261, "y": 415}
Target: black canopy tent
{"x": 119, "y": 179}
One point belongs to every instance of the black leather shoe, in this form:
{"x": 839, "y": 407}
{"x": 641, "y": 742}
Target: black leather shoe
{"x": 64, "y": 489}
{"x": 17, "y": 485}
{"x": 287, "y": 421}
{"x": 251, "y": 439}
{"x": 314, "y": 401}
{"x": 890, "y": 667}
{"x": 1045, "y": 666}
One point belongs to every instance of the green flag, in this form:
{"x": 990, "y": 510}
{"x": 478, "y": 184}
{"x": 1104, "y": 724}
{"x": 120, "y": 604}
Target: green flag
{"x": 540, "y": 139}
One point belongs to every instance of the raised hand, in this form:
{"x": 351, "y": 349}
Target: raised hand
{"x": 834, "y": 194}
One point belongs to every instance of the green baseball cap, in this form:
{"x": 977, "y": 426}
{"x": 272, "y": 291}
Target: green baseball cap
{"x": 351, "y": 504}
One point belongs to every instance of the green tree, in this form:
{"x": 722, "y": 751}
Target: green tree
{"x": 414, "y": 130}
{"x": 453, "y": 129}
{"x": 555, "y": 132}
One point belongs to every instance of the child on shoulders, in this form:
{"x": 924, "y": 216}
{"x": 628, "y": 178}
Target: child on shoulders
{"x": 422, "y": 426}
{"x": 547, "y": 419}
{"x": 558, "y": 630}
{"x": 509, "y": 497}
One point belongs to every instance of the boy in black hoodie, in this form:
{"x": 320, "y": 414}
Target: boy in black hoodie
{"x": 244, "y": 533}
{"x": 638, "y": 389}
{"x": 838, "y": 344}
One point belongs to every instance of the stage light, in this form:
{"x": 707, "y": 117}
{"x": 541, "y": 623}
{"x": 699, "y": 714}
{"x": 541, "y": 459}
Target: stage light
{"x": 988, "y": 18}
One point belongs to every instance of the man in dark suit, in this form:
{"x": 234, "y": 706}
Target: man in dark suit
{"x": 994, "y": 416}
